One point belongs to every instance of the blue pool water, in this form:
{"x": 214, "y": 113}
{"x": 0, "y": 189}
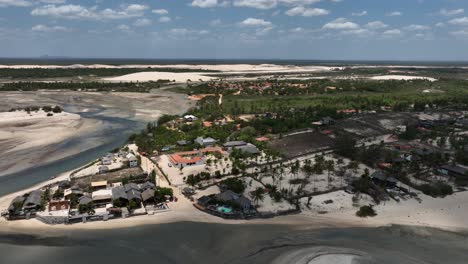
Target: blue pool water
{"x": 225, "y": 210}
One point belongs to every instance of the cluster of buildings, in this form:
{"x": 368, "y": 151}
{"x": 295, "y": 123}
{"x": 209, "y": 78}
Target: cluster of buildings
{"x": 62, "y": 203}
{"x": 125, "y": 159}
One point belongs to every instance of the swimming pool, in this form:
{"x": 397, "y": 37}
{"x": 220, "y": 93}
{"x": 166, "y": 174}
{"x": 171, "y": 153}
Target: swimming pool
{"x": 223, "y": 209}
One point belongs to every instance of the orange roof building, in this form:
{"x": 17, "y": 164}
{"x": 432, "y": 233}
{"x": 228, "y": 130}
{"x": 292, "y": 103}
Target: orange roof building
{"x": 192, "y": 158}
{"x": 207, "y": 124}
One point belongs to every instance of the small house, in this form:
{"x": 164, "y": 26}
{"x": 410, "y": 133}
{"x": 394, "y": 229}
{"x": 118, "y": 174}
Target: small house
{"x": 85, "y": 200}
{"x": 183, "y": 143}
{"x": 379, "y": 178}
{"x": 190, "y": 118}
{"x": 131, "y": 186}
{"x": 148, "y": 196}
{"x": 147, "y": 185}
{"x": 98, "y": 185}
{"x": 249, "y": 149}
{"x": 204, "y": 200}
{"x": 132, "y": 160}
{"x": 134, "y": 195}
{"x": 233, "y": 144}
{"x": 33, "y": 201}
{"x": 206, "y": 141}
{"x": 102, "y": 196}
{"x": 455, "y": 171}
{"x": 119, "y": 194}
{"x": 106, "y": 161}
{"x": 103, "y": 169}
{"x": 74, "y": 190}
{"x": 16, "y": 205}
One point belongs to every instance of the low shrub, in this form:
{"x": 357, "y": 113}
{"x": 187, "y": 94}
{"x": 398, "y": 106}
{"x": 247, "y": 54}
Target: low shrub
{"x": 366, "y": 211}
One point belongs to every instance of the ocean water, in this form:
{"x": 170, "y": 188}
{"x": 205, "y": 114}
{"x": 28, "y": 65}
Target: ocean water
{"x": 213, "y": 243}
{"x": 122, "y": 61}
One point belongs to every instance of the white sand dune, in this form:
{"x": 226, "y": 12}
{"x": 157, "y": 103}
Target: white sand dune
{"x": 217, "y": 67}
{"x": 402, "y": 77}
{"x": 155, "y": 76}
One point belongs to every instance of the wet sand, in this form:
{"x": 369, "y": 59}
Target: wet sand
{"x": 188, "y": 242}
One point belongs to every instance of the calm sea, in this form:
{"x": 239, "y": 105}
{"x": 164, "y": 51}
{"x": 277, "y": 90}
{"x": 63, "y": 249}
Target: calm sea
{"x": 122, "y": 61}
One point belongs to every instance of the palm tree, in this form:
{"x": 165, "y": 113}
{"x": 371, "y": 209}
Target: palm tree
{"x": 257, "y": 195}
{"x": 329, "y": 166}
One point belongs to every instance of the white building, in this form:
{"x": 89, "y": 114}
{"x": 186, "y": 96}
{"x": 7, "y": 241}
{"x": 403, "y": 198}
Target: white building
{"x": 206, "y": 141}
{"x": 132, "y": 160}
{"x": 190, "y": 118}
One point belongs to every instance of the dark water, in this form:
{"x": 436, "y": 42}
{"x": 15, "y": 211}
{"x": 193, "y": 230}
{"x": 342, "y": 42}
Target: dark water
{"x": 213, "y": 243}
{"x": 113, "y": 133}
{"x": 121, "y": 61}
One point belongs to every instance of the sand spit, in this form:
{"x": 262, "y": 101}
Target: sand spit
{"x": 22, "y": 133}
{"x": 323, "y": 255}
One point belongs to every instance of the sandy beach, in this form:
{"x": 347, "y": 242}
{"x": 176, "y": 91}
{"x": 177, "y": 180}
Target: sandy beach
{"x": 449, "y": 213}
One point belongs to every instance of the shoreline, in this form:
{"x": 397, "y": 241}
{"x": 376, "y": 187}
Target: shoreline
{"x": 184, "y": 211}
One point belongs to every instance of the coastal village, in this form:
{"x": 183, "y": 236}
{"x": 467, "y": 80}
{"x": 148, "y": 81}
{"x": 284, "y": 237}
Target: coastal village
{"x": 238, "y": 166}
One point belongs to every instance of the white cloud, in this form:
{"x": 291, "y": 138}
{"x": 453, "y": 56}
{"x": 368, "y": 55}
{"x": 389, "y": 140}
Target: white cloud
{"x": 453, "y": 12}
{"x": 460, "y": 33}
{"x": 17, "y": 3}
{"x": 124, "y": 28}
{"x": 184, "y": 32}
{"x": 341, "y": 23}
{"x": 48, "y": 29}
{"x": 298, "y": 2}
{"x": 160, "y": 11}
{"x": 376, "y": 25}
{"x": 269, "y": 4}
{"x": 392, "y": 33}
{"x": 53, "y": 1}
{"x": 463, "y": 21}
{"x": 259, "y": 4}
{"x": 164, "y": 19}
{"x": 307, "y": 12}
{"x": 416, "y": 27}
{"x": 204, "y": 3}
{"x": 215, "y": 22}
{"x": 142, "y": 22}
{"x": 81, "y": 12}
{"x": 255, "y": 22}
{"x": 296, "y": 30}
{"x": 440, "y": 24}
{"x": 360, "y": 32}
{"x": 394, "y": 13}
{"x": 363, "y": 13}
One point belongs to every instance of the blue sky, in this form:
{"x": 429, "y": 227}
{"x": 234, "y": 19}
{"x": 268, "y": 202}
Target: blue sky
{"x": 263, "y": 29}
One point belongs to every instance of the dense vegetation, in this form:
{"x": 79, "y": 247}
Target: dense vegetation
{"x": 83, "y": 86}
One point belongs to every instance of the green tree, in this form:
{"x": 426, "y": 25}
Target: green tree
{"x": 258, "y": 195}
